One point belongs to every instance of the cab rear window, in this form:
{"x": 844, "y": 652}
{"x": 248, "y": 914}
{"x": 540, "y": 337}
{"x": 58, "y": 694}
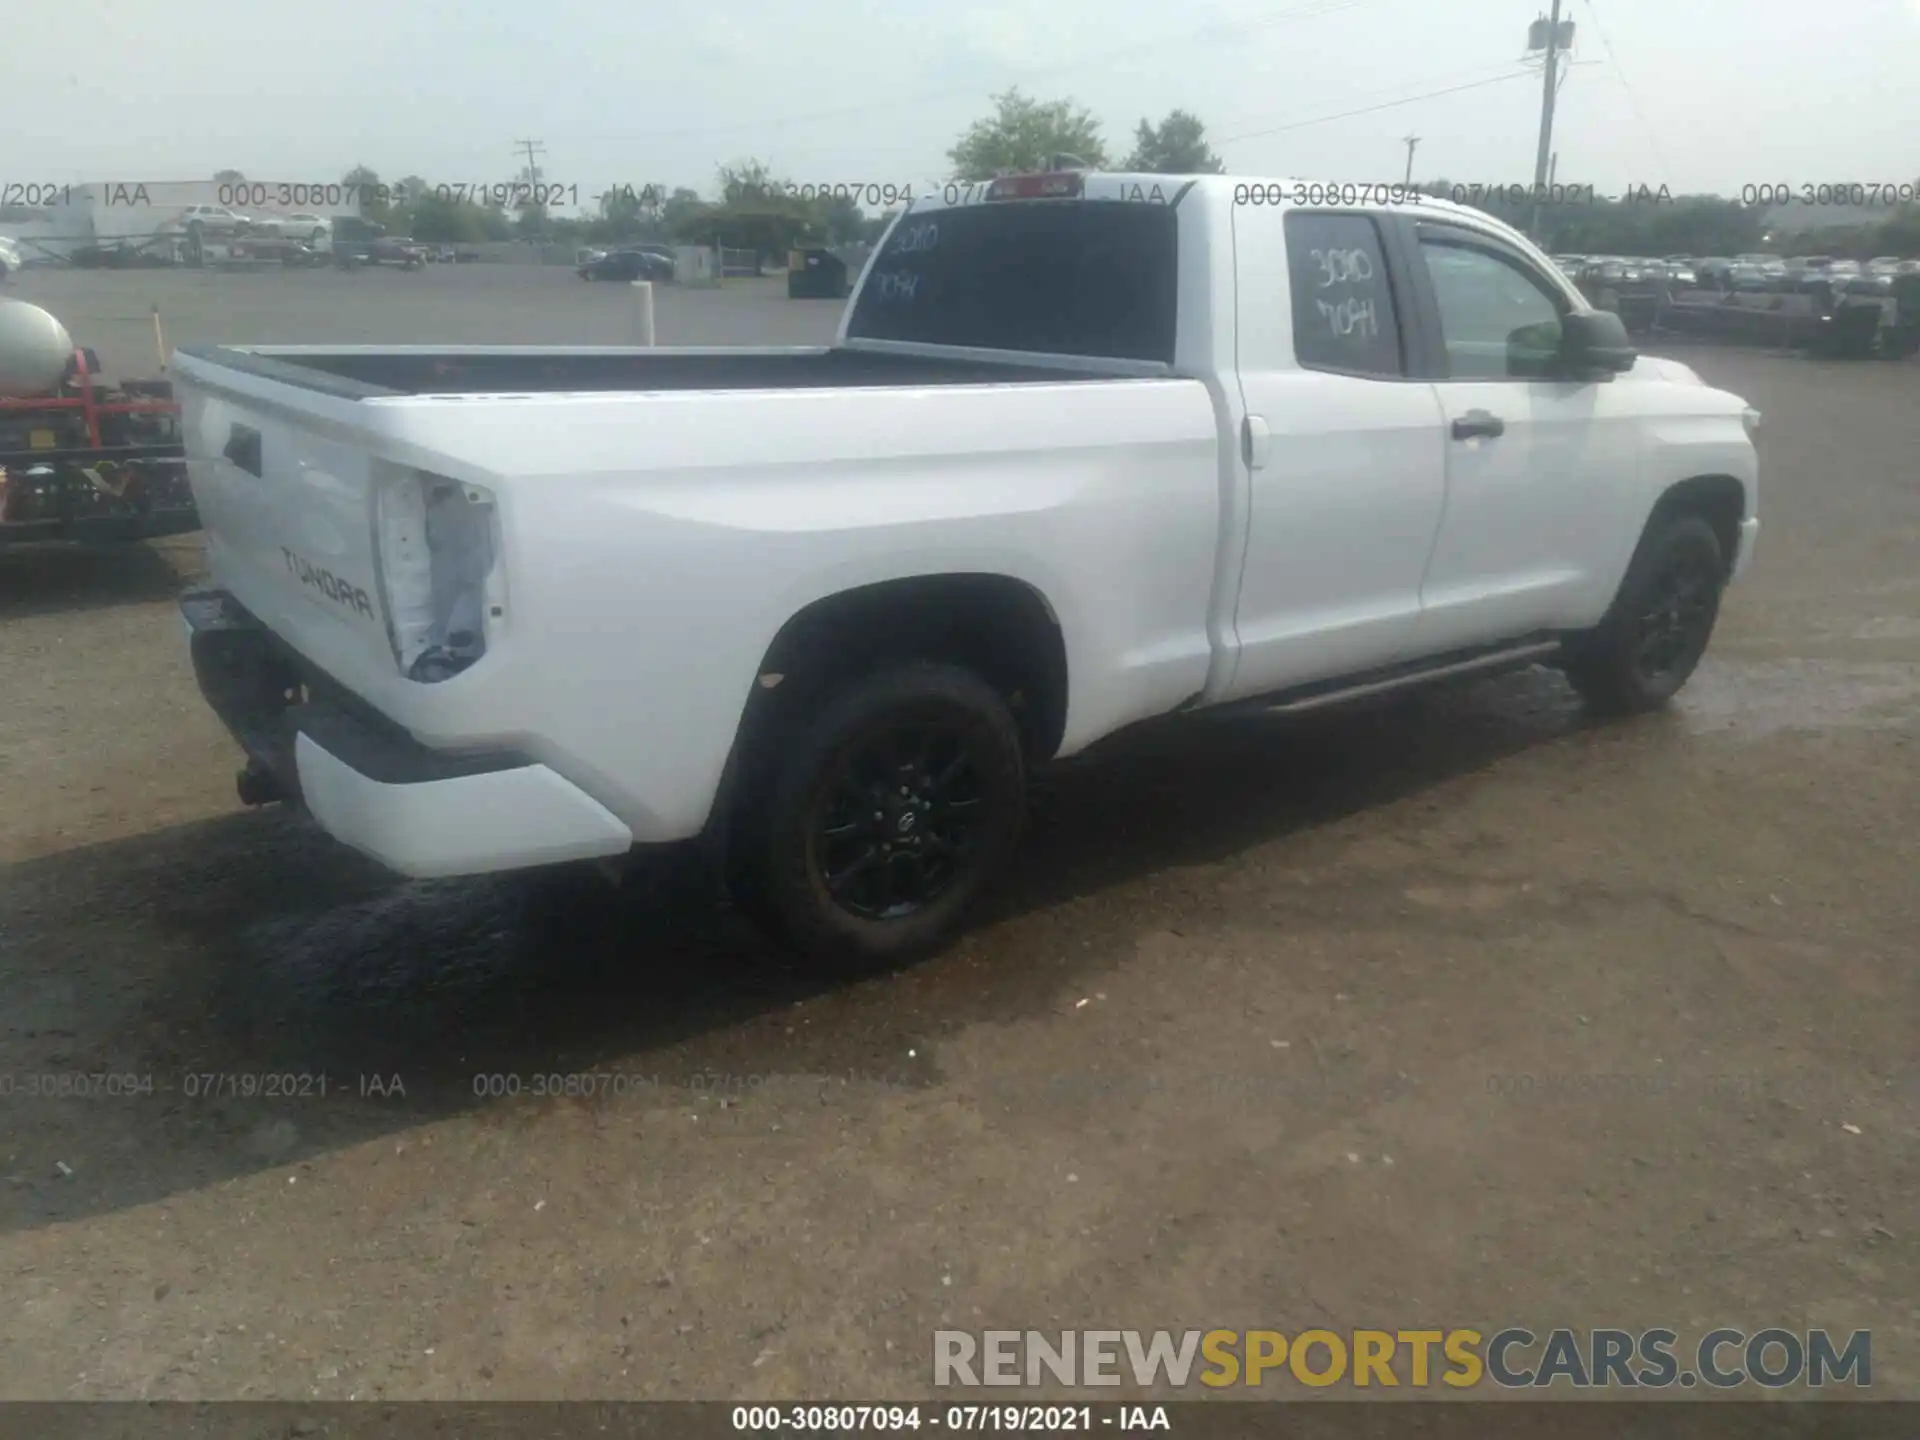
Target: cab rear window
{"x": 1085, "y": 278}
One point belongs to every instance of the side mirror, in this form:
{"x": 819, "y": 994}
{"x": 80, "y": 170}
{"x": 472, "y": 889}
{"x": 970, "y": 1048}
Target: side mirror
{"x": 1595, "y": 343}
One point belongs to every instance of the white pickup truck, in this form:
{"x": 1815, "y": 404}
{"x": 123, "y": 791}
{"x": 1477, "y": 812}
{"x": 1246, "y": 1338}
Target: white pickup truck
{"x": 1087, "y": 449}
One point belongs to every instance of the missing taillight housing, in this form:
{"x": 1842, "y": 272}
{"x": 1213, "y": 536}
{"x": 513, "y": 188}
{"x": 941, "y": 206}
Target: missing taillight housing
{"x": 439, "y": 571}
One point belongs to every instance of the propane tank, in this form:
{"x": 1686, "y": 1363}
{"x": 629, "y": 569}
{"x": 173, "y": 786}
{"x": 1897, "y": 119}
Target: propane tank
{"x": 34, "y": 350}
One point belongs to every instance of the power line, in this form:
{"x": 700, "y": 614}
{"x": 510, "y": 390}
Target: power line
{"x": 1653, "y": 135}
{"x": 1383, "y": 105}
{"x": 1380, "y": 92}
{"x": 1314, "y": 10}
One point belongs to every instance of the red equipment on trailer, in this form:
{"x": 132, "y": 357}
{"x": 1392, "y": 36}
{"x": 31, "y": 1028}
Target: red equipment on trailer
{"x": 87, "y": 462}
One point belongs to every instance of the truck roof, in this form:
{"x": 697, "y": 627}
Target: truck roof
{"x": 1169, "y": 189}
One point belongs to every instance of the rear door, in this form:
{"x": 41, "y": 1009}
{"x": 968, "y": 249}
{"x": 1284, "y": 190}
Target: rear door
{"x": 1345, "y": 452}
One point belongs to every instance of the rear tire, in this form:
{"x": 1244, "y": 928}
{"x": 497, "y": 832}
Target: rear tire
{"x": 889, "y": 806}
{"x": 1652, "y": 639}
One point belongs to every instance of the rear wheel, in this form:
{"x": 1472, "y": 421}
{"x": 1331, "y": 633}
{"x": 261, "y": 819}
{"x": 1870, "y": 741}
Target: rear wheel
{"x": 1652, "y": 639}
{"x": 889, "y": 807}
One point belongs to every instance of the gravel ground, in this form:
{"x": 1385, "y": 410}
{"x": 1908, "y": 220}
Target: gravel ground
{"x": 1279, "y": 1024}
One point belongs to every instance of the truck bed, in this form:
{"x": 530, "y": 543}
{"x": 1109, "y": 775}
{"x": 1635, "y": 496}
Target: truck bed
{"x": 367, "y": 373}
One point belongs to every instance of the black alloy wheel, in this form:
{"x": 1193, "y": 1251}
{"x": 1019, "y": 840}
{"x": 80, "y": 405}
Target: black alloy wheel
{"x": 1661, "y": 621}
{"x": 878, "y": 812}
{"x": 897, "y": 822}
{"x": 1678, "y": 616}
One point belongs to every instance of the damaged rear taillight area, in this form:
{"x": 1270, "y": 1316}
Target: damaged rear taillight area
{"x": 438, "y": 542}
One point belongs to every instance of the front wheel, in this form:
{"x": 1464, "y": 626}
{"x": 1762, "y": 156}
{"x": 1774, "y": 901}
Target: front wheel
{"x": 1652, "y": 639}
{"x": 888, "y": 810}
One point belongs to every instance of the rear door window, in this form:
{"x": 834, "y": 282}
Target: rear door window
{"x": 1344, "y": 312}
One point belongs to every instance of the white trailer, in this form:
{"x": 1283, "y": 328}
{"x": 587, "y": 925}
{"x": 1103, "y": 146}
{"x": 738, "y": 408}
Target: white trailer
{"x": 176, "y": 217}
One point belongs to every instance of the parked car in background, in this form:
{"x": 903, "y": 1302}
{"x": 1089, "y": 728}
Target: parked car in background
{"x": 359, "y": 242}
{"x": 1812, "y": 274}
{"x": 307, "y": 228}
{"x": 1616, "y": 272}
{"x": 353, "y": 240}
{"x": 315, "y": 230}
{"x": 209, "y": 220}
{"x": 629, "y": 265}
{"x": 400, "y": 250}
{"x": 1872, "y": 283}
{"x": 1630, "y": 288}
{"x": 10, "y": 258}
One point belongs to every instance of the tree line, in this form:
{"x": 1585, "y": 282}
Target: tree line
{"x": 754, "y": 207}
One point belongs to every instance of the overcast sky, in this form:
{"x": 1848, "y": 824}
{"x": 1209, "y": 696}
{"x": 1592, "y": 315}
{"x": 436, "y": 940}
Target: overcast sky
{"x": 1700, "y": 95}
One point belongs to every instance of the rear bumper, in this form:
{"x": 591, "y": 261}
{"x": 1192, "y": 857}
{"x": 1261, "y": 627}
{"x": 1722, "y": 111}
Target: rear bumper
{"x": 371, "y": 785}
{"x": 507, "y": 819}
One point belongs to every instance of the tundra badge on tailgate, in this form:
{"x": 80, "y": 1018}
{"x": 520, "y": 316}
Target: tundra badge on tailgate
{"x": 328, "y": 584}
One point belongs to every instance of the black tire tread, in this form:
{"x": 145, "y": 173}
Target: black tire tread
{"x": 1600, "y": 663}
{"x": 767, "y": 872}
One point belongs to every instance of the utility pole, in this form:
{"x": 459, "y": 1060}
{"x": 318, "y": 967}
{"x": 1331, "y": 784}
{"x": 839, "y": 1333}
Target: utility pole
{"x": 1536, "y": 234}
{"x": 1546, "y": 113}
{"x": 534, "y": 150}
{"x": 1413, "y": 142}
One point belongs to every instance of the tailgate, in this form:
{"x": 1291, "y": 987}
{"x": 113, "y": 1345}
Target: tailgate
{"x": 285, "y": 483}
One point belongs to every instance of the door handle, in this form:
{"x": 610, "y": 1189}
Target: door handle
{"x": 1476, "y": 423}
{"x": 1253, "y": 442}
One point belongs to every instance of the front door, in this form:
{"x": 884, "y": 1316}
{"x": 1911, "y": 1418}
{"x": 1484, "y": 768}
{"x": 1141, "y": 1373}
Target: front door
{"x": 1537, "y": 465}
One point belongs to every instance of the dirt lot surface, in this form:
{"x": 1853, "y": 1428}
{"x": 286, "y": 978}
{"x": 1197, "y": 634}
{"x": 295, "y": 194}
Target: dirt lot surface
{"x": 1460, "y": 1011}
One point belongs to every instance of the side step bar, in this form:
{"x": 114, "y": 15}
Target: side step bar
{"x": 1297, "y": 702}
